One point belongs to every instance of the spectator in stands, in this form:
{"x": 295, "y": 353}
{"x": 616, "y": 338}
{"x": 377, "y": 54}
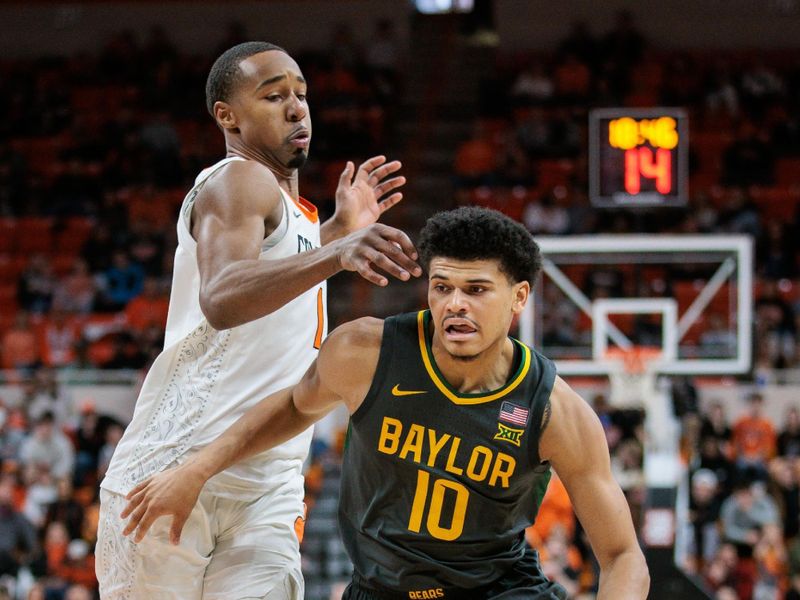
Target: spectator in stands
{"x": 162, "y": 149}
{"x": 18, "y": 543}
{"x": 20, "y": 347}
{"x": 36, "y": 285}
{"x": 48, "y": 396}
{"x": 548, "y": 216}
{"x": 721, "y": 95}
{"x": 98, "y": 249}
{"x": 776, "y": 251}
{"x": 75, "y": 292}
{"x": 704, "y": 507}
{"x": 789, "y": 437}
{"x": 41, "y": 491}
{"x": 88, "y": 442}
{"x": 47, "y": 446}
{"x": 771, "y": 563}
{"x": 59, "y": 336}
{"x": 775, "y": 325}
{"x": 11, "y": 439}
{"x": 715, "y": 426}
{"x": 754, "y": 438}
{"x": 78, "y": 592}
{"x": 532, "y": 86}
{"x": 560, "y": 561}
{"x": 113, "y": 435}
{"x": 148, "y": 308}
{"x": 743, "y": 514}
{"x": 121, "y": 282}
{"x": 785, "y": 491}
{"x": 66, "y": 509}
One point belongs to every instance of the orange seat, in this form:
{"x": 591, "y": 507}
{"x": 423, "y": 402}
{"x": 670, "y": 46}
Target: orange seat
{"x": 787, "y": 171}
{"x": 7, "y": 228}
{"x": 34, "y": 234}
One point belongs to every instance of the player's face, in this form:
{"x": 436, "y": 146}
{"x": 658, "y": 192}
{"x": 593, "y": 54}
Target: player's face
{"x": 271, "y": 108}
{"x": 472, "y": 304}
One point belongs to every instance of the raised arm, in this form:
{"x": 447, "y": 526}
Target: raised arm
{"x": 234, "y": 212}
{"x": 574, "y": 443}
{"x": 342, "y": 373}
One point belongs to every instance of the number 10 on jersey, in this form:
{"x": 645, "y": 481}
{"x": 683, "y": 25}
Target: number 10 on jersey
{"x": 436, "y": 493}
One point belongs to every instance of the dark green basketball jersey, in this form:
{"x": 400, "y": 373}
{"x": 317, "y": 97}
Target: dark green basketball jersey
{"x": 438, "y": 486}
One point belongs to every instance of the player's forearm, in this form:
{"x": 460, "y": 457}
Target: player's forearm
{"x": 269, "y": 423}
{"x": 250, "y": 289}
{"x": 625, "y": 578}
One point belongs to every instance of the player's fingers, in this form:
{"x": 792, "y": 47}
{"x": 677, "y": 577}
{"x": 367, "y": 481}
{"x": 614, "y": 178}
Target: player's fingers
{"x": 389, "y": 185}
{"x": 401, "y": 239}
{"x": 369, "y": 165}
{"x": 347, "y": 175}
{"x": 137, "y": 489}
{"x": 133, "y": 502}
{"x": 364, "y": 268}
{"x": 135, "y": 519}
{"x": 177, "y": 527}
{"x": 389, "y": 202}
{"x": 144, "y": 524}
{"x": 385, "y": 170}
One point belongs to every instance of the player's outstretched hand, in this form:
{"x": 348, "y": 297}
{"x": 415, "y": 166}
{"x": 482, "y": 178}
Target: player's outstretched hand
{"x": 358, "y": 198}
{"x": 380, "y": 246}
{"x": 171, "y": 492}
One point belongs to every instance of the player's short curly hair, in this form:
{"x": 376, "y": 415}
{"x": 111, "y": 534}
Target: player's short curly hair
{"x": 476, "y": 233}
{"x": 225, "y": 73}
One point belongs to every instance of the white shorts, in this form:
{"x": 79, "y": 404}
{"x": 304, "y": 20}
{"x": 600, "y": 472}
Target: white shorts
{"x": 229, "y": 550}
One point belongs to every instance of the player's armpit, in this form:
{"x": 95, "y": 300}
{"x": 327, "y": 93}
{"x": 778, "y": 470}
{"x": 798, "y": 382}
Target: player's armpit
{"x": 574, "y": 443}
{"x": 343, "y": 370}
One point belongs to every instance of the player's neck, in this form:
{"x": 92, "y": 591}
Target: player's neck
{"x": 287, "y": 177}
{"x": 490, "y": 370}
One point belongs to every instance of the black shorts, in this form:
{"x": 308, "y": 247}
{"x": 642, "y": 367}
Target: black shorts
{"x": 524, "y": 581}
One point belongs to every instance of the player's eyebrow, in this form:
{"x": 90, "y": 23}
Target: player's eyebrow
{"x": 276, "y": 79}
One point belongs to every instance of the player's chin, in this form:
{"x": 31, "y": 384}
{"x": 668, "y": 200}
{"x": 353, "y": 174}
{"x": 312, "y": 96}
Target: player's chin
{"x": 298, "y": 159}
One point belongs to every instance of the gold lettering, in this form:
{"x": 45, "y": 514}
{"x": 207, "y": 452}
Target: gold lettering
{"x": 451, "y": 458}
{"x": 390, "y": 435}
{"x": 413, "y": 443}
{"x": 436, "y": 445}
{"x": 503, "y": 469}
{"x": 478, "y": 451}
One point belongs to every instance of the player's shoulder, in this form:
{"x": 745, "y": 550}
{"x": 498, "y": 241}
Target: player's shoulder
{"x": 238, "y": 185}
{"x": 363, "y": 333}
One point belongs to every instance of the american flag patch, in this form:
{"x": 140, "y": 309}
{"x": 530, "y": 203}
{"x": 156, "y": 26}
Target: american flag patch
{"x": 511, "y": 413}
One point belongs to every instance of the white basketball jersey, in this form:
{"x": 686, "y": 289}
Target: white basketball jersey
{"x": 205, "y": 379}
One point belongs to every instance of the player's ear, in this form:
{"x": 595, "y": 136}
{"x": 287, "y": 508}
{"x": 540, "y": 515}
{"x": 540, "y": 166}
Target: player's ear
{"x": 521, "y": 292}
{"x": 226, "y": 118}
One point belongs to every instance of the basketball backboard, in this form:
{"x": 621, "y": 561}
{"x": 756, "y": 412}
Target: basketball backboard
{"x": 689, "y": 296}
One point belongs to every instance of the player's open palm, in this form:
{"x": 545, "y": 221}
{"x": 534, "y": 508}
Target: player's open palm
{"x": 358, "y": 198}
{"x": 171, "y": 492}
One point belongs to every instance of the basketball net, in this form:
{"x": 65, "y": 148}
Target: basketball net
{"x": 633, "y": 376}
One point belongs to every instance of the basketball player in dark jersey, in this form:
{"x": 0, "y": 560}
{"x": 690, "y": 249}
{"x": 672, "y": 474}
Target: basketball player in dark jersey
{"x": 454, "y": 428}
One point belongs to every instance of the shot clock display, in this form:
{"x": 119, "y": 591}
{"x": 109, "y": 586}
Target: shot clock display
{"x": 638, "y": 157}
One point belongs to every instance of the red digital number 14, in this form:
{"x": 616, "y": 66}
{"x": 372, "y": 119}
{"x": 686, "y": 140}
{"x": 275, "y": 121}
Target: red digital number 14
{"x": 640, "y": 162}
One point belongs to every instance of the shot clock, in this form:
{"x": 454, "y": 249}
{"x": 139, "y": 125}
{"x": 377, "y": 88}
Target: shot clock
{"x": 638, "y": 157}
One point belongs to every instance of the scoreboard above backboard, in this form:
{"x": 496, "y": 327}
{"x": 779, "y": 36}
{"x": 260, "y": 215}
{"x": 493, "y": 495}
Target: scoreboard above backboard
{"x": 638, "y": 157}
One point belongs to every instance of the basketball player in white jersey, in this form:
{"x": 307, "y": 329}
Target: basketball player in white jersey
{"x": 246, "y": 317}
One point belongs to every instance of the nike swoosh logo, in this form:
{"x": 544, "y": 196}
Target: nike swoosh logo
{"x": 396, "y": 391}
{"x": 296, "y": 215}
